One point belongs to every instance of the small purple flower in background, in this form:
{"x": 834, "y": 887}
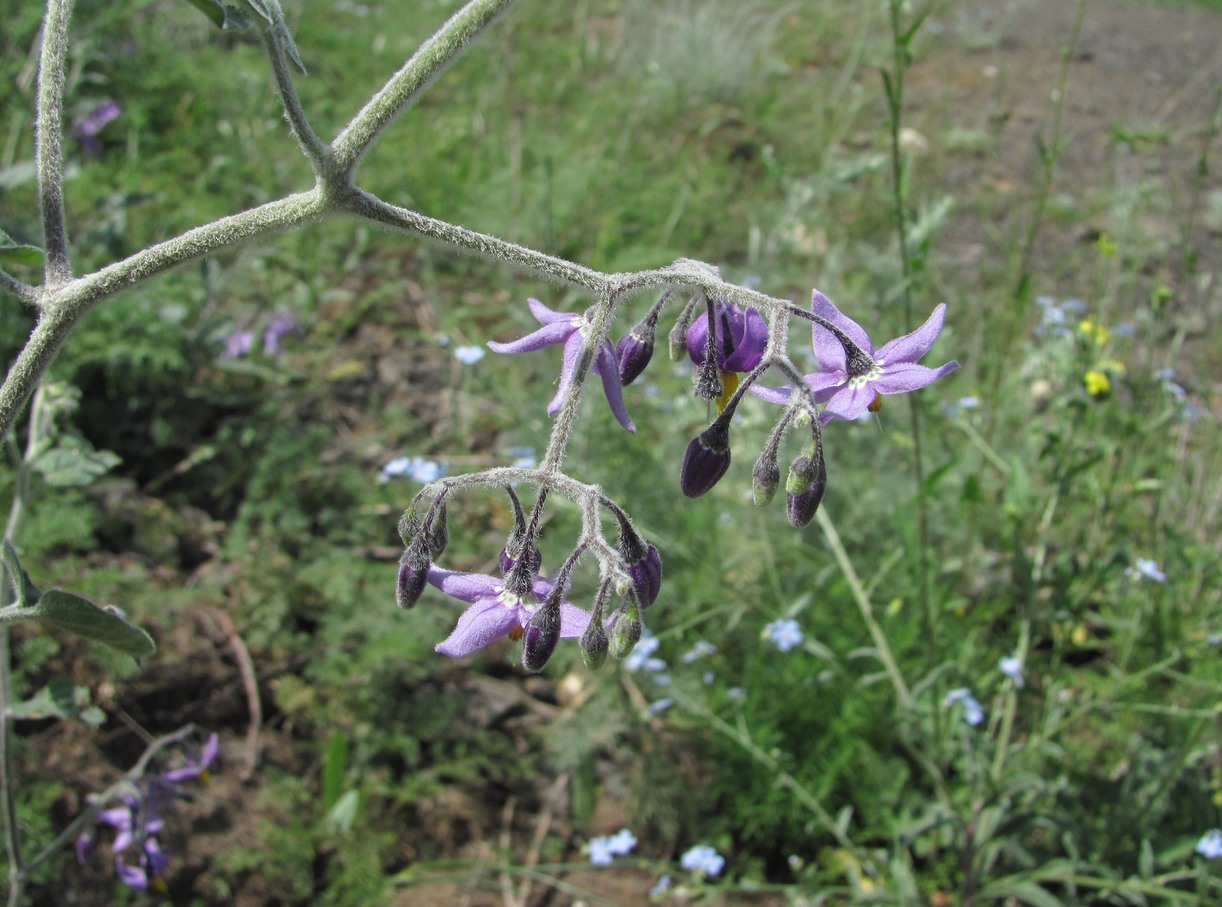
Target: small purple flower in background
{"x": 86, "y": 128}
{"x": 569, "y": 328}
{"x": 784, "y": 634}
{"x": 660, "y": 706}
{"x": 703, "y": 858}
{"x": 973, "y": 711}
{"x": 496, "y": 611}
{"x": 140, "y": 860}
{"x": 416, "y": 468}
{"x": 854, "y": 385}
{"x": 469, "y": 355}
{"x": 1144, "y": 568}
{"x": 1012, "y": 668}
{"x": 702, "y": 648}
{"x": 283, "y": 323}
{"x": 604, "y": 850}
{"x": 660, "y": 887}
{"x": 237, "y": 344}
{"x": 640, "y": 658}
{"x": 1054, "y": 318}
{"x": 1210, "y": 845}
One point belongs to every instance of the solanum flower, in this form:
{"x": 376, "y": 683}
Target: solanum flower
{"x": 569, "y": 328}
{"x": 496, "y": 611}
{"x": 739, "y": 340}
{"x": 855, "y": 380}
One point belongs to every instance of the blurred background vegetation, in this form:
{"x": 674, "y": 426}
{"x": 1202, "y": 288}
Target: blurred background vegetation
{"x": 246, "y": 517}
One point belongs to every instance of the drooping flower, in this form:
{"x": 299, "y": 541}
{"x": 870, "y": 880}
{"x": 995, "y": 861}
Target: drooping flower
{"x": 739, "y": 340}
{"x": 703, "y": 858}
{"x": 569, "y": 328}
{"x": 784, "y": 634}
{"x": 973, "y": 711}
{"x": 852, "y": 382}
{"x": 496, "y": 611}
{"x": 140, "y": 860}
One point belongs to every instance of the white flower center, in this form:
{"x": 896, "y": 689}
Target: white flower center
{"x": 861, "y": 380}
{"x": 514, "y": 602}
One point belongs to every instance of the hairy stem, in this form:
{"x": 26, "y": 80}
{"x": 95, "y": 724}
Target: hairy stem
{"x": 49, "y": 157}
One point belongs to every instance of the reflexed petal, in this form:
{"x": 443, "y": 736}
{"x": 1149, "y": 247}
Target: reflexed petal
{"x": 568, "y": 371}
{"x": 535, "y": 340}
{"x": 912, "y": 347}
{"x": 544, "y": 315}
{"x": 478, "y": 626}
{"x": 607, "y": 369}
{"x": 819, "y": 382}
{"x": 849, "y": 403}
{"x": 905, "y": 377}
{"x": 771, "y": 394}
{"x": 131, "y": 876}
{"x": 466, "y": 587}
{"x": 824, "y": 308}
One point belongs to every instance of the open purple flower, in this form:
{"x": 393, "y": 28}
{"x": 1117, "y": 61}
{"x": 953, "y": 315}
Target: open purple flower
{"x": 569, "y": 328}
{"x": 495, "y": 611}
{"x": 855, "y": 380}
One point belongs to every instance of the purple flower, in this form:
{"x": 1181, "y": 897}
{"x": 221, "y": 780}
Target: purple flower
{"x": 569, "y": 328}
{"x": 603, "y": 850}
{"x": 784, "y": 634}
{"x": 741, "y": 337}
{"x": 1210, "y": 845}
{"x": 703, "y": 858}
{"x": 238, "y": 344}
{"x": 85, "y": 130}
{"x": 853, "y": 382}
{"x": 137, "y": 820}
{"x": 282, "y": 324}
{"x": 495, "y": 611}
{"x": 973, "y": 712}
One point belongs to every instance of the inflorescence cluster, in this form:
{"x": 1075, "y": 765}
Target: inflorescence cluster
{"x": 732, "y": 347}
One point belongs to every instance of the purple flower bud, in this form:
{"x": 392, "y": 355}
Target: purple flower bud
{"x": 646, "y": 575}
{"x": 706, "y": 460}
{"x": 634, "y": 351}
{"x": 413, "y": 574}
{"x": 804, "y": 488}
{"x": 765, "y": 478}
{"x": 542, "y": 633}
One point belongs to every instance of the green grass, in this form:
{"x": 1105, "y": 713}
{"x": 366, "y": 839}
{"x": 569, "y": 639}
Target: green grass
{"x": 624, "y": 135}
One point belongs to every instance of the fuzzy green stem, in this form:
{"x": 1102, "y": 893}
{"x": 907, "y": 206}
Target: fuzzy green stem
{"x": 49, "y": 159}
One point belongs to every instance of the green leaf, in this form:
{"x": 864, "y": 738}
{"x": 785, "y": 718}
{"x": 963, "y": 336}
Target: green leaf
{"x": 24, "y": 592}
{"x": 60, "y": 699}
{"x": 1024, "y": 891}
{"x": 223, "y": 15}
{"x": 342, "y": 816}
{"x": 334, "y": 768}
{"x": 73, "y": 462}
{"x": 22, "y": 253}
{"x": 82, "y": 617}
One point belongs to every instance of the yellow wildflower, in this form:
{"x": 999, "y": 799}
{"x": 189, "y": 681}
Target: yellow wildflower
{"x": 1097, "y": 383}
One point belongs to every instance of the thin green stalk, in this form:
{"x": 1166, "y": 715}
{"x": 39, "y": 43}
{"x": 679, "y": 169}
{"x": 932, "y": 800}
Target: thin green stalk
{"x": 901, "y": 41}
{"x": 881, "y": 646}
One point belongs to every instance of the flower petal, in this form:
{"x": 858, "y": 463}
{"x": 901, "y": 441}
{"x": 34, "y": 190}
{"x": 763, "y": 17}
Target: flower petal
{"x": 905, "y": 377}
{"x": 466, "y": 587}
{"x": 849, "y": 402}
{"x": 608, "y": 369}
{"x": 912, "y": 347}
{"x": 573, "y": 620}
{"x": 535, "y": 340}
{"x": 544, "y": 315}
{"x": 479, "y": 625}
{"x": 568, "y": 370}
{"x": 828, "y": 349}
{"x": 750, "y": 340}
